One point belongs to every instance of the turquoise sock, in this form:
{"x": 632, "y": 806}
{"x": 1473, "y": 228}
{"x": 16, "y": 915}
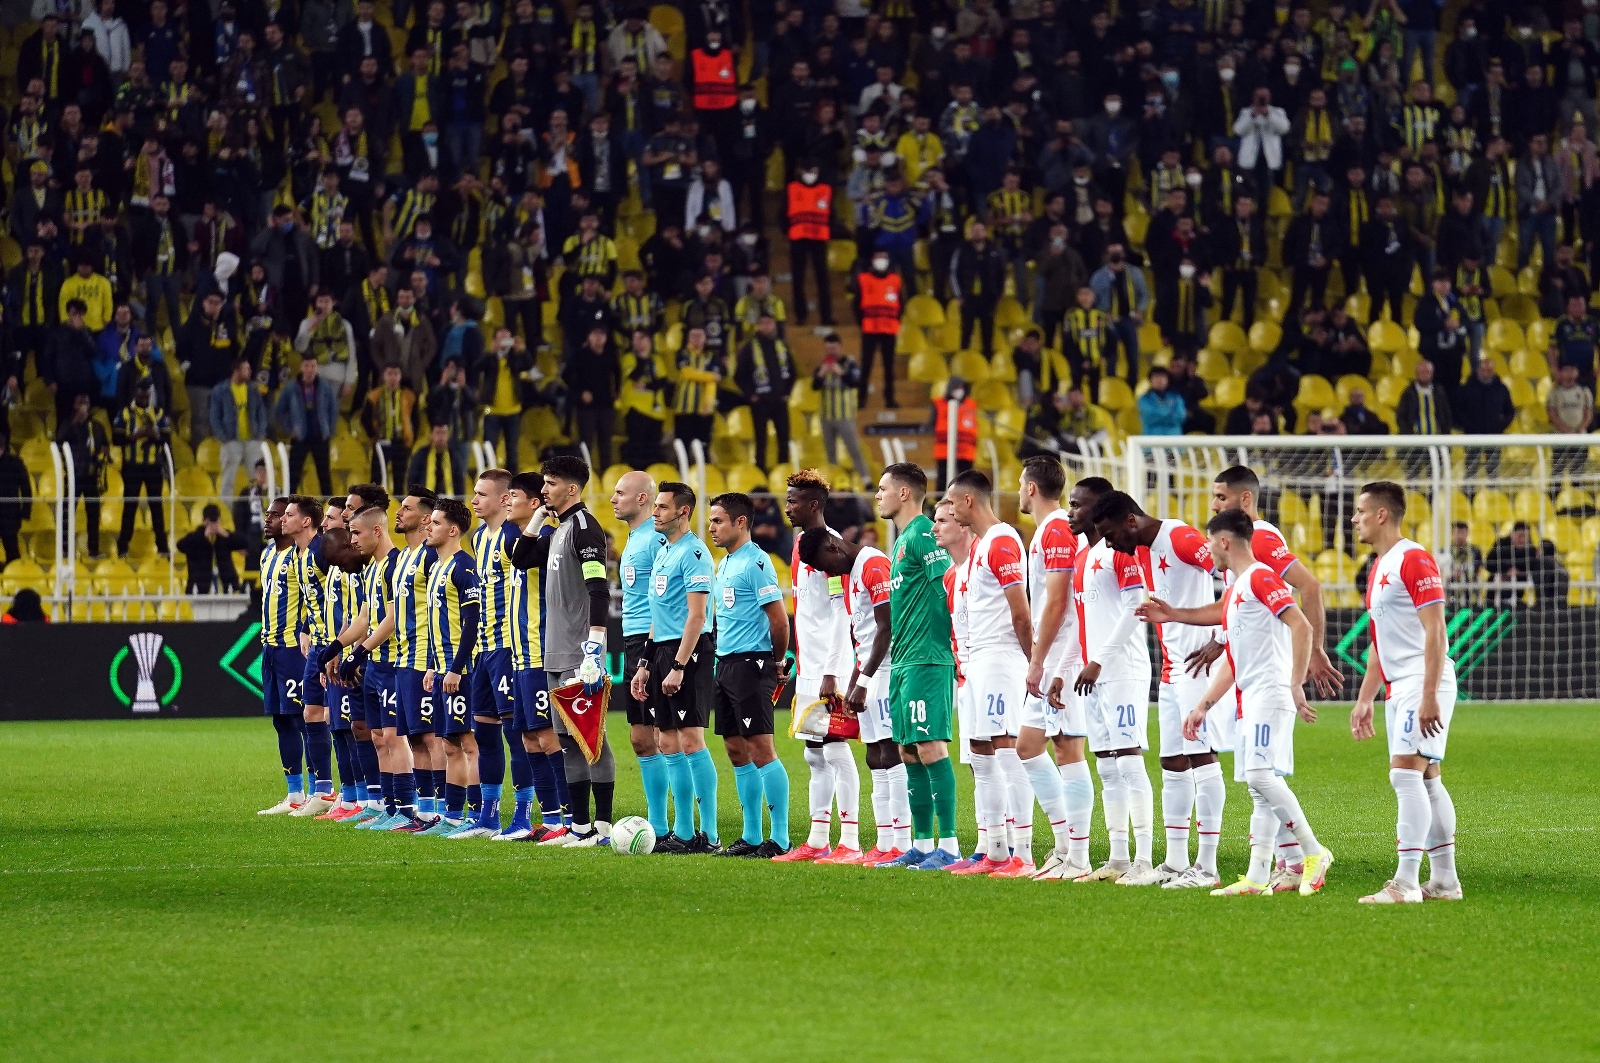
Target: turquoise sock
{"x": 775, "y": 782}
{"x": 704, "y": 770}
{"x": 653, "y": 772}
{"x": 747, "y": 780}
{"x": 682, "y": 783}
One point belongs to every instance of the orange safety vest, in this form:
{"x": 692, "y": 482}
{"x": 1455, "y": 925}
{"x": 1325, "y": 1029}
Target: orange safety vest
{"x": 966, "y": 430}
{"x": 809, "y": 210}
{"x": 880, "y": 303}
{"x": 715, "y": 87}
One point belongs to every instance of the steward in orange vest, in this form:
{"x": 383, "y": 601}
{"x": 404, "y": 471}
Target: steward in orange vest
{"x": 879, "y": 311}
{"x": 810, "y": 210}
{"x": 716, "y": 85}
{"x": 966, "y": 427}
{"x": 810, "y": 218}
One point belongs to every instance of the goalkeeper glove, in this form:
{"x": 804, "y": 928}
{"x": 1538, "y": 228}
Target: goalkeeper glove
{"x": 592, "y": 670}
{"x": 353, "y": 663}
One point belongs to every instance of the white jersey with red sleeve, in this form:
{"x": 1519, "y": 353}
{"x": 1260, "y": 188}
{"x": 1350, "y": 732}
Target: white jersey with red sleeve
{"x": 1178, "y": 570}
{"x": 821, "y": 622}
{"x": 955, "y": 596}
{"x": 994, "y": 565}
{"x": 1270, "y": 549}
{"x": 866, "y": 588}
{"x": 1403, "y": 580}
{"x": 1108, "y": 584}
{"x": 1054, "y": 549}
{"x": 1258, "y": 642}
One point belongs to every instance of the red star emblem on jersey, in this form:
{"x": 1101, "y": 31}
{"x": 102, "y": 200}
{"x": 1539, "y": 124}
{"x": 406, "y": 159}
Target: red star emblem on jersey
{"x": 963, "y": 588}
{"x": 1098, "y": 565}
{"x": 1163, "y": 566}
{"x": 1383, "y": 581}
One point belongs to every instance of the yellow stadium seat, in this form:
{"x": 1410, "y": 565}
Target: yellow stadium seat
{"x": 1349, "y": 382}
{"x": 1315, "y": 392}
{"x": 1228, "y": 393}
{"x": 1530, "y": 364}
{"x": 1211, "y": 366}
{"x": 1130, "y": 421}
{"x": 1504, "y": 335}
{"x": 1278, "y": 205}
{"x": 1522, "y": 392}
{"x": 1136, "y": 225}
{"x": 745, "y": 478}
{"x": 1538, "y": 335}
{"x": 970, "y": 366}
{"x": 910, "y": 341}
{"x": 1386, "y": 337}
{"x": 1523, "y": 309}
{"x": 1390, "y": 388}
{"x": 1008, "y": 424}
{"x": 993, "y": 395}
{"x": 1227, "y": 337}
{"x": 1265, "y": 336}
{"x": 1115, "y": 395}
{"x": 923, "y": 311}
{"x": 1008, "y": 313}
{"x": 841, "y": 255}
{"x": 661, "y": 472}
{"x": 1491, "y": 506}
{"x": 738, "y": 425}
{"x": 1572, "y": 498}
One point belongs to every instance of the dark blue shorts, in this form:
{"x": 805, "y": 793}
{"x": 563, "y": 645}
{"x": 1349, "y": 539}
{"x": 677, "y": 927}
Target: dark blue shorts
{"x": 379, "y": 699}
{"x": 454, "y": 714}
{"x": 534, "y": 712}
{"x": 311, "y": 686}
{"x": 344, "y": 706}
{"x": 283, "y": 670}
{"x": 493, "y": 684}
{"x": 416, "y": 708}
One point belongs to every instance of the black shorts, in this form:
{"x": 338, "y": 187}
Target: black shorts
{"x": 745, "y": 682}
{"x": 691, "y": 705}
{"x": 633, "y": 651}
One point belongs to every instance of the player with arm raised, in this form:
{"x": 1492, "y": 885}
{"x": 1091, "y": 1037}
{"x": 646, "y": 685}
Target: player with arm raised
{"x": 999, "y": 641}
{"x": 454, "y": 605}
{"x": 675, "y": 675}
{"x": 1239, "y": 488}
{"x": 865, "y": 572}
{"x": 1411, "y": 659}
{"x": 631, "y": 501}
{"x": 1052, "y": 708}
{"x": 922, "y": 677}
{"x": 1267, "y": 640}
{"x": 1115, "y": 681}
{"x": 282, "y": 662}
{"x": 823, "y": 659}
{"x": 752, "y": 640}
{"x": 577, "y": 608}
{"x": 1177, "y": 567}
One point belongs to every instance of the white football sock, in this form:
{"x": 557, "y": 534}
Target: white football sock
{"x": 986, "y": 768}
{"x": 1177, "y": 802}
{"x": 1263, "y": 830}
{"x": 1019, "y": 803}
{"x": 1290, "y": 852}
{"x": 847, "y": 787}
{"x": 821, "y": 796}
{"x": 951, "y": 846}
{"x": 1046, "y": 786}
{"x": 1141, "y": 804}
{"x": 1114, "y": 806}
{"x": 881, "y": 816}
{"x": 1411, "y": 826}
{"x": 1210, "y": 794}
{"x": 899, "y": 807}
{"x": 1078, "y": 790}
{"x": 980, "y": 809}
{"x": 1441, "y": 834}
{"x": 1285, "y": 805}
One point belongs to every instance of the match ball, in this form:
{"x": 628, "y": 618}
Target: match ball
{"x": 633, "y": 836}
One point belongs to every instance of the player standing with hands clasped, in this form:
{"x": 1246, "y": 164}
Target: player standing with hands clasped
{"x": 1410, "y": 656}
{"x": 1267, "y": 640}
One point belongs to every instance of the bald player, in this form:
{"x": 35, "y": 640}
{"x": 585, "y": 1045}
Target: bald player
{"x": 632, "y": 502}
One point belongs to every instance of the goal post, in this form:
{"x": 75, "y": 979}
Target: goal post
{"x": 1514, "y": 522}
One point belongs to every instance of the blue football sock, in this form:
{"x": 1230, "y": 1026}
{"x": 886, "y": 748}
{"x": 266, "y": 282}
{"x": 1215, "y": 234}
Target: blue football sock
{"x": 704, "y": 770}
{"x": 438, "y": 789}
{"x": 474, "y": 797}
{"x": 386, "y": 785}
{"x": 558, "y": 768}
{"x": 491, "y": 791}
{"x": 347, "y": 794}
{"x": 491, "y": 751}
{"x": 367, "y": 754}
{"x": 455, "y": 799}
{"x": 653, "y": 773}
{"x": 525, "y": 798}
{"x": 747, "y": 780}
{"x": 424, "y": 783}
{"x": 521, "y": 766}
{"x": 775, "y": 783}
{"x": 544, "y": 785}
{"x": 291, "y": 746}
{"x": 296, "y": 784}
{"x": 405, "y": 793}
{"x": 344, "y": 755}
{"x": 319, "y": 755}
{"x": 681, "y": 780}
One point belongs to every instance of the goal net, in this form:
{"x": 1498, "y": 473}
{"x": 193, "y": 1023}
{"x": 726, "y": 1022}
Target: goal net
{"x": 1513, "y": 520}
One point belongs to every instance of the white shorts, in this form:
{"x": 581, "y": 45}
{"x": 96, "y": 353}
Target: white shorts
{"x": 1174, "y": 702}
{"x": 874, "y": 716}
{"x": 1265, "y": 736}
{"x": 1118, "y": 715}
{"x": 998, "y": 683}
{"x": 965, "y": 720}
{"x": 1038, "y": 713}
{"x": 1400, "y": 718}
{"x": 1222, "y": 721}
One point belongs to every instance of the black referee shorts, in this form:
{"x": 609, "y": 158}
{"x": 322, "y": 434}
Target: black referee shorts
{"x": 745, "y": 682}
{"x": 633, "y": 651}
{"x": 691, "y": 705}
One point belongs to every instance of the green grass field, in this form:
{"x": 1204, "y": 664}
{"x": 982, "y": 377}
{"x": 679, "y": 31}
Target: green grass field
{"x": 150, "y": 915}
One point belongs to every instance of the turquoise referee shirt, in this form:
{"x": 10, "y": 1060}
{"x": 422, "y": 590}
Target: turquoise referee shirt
{"x": 745, "y": 586}
{"x": 638, "y": 560}
{"x": 679, "y": 570}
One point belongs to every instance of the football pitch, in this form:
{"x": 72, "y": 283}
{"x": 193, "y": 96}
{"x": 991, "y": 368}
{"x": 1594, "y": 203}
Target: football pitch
{"x": 151, "y": 915}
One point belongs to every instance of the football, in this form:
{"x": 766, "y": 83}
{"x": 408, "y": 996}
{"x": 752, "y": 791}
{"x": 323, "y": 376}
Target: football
{"x": 633, "y": 836}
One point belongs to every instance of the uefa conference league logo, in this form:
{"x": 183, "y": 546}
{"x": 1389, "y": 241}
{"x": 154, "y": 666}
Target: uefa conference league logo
{"x": 147, "y": 648}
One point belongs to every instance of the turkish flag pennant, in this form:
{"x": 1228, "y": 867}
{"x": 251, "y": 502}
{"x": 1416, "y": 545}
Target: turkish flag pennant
{"x": 584, "y": 715}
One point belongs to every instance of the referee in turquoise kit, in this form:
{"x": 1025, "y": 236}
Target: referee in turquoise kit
{"x": 752, "y": 639}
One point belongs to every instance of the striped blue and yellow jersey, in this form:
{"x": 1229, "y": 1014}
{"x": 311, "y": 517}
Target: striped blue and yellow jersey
{"x": 491, "y": 553}
{"x": 527, "y": 614}
{"x": 411, "y": 606}
{"x": 377, "y": 581}
{"x": 280, "y": 596}
{"x": 313, "y": 577}
{"x": 342, "y": 598}
{"x": 454, "y": 612}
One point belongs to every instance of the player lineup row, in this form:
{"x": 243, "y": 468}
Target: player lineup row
{"x": 1036, "y": 650}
